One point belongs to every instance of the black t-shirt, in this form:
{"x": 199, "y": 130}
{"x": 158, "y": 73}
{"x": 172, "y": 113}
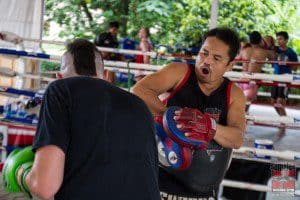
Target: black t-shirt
{"x": 108, "y": 40}
{"x": 107, "y": 136}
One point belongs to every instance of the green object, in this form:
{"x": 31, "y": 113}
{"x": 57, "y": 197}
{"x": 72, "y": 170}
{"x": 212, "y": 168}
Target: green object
{"x": 15, "y": 159}
{"x": 21, "y": 174}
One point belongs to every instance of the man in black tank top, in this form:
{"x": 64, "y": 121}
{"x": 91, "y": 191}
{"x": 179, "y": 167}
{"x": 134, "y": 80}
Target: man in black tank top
{"x": 203, "y": 88}
{"x": 93, "y": 140}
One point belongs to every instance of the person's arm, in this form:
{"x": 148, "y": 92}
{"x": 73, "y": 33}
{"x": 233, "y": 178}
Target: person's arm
{"x": 232, "y": 135}
{"x": 145, "y": 47}
{"x": 46, "y": 175}
{"x": 243, "y": 56}
{"x": 271, "y": 54}
{"x": 51, "y": 142}
{"x": 150, "y": 87}
{"x": 294, "y": 58}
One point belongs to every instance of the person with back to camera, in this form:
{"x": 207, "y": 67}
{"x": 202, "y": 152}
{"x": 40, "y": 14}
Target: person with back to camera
{"x": 92, "y": 139}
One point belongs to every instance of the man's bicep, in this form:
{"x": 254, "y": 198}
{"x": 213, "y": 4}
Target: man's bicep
{"x": 236, "y": 112}
{"x": 163, "y": 80}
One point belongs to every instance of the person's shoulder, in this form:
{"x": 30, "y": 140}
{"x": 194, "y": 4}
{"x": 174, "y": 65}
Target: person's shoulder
{"x": 125, "y": 96}
{"x": 104, "y": 34}
{"x": 292, "y": 51}
{"x": 277, "y": 49}
{"x": 247, "y": 50}
{"x": 57, "y": 90}
{"x": 78, "y": 82}
{"x": 57, "y": 84}
{"x": 178, "y": 67}
{"x": 265, "y": 51}
{"x": 237, "y": 94}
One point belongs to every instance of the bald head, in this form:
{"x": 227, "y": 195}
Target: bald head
{"x": 82, "y": 58}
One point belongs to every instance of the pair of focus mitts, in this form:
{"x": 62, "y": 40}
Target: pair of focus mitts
{"x": 16, "y": 167}
{"x": 181, "y": 131}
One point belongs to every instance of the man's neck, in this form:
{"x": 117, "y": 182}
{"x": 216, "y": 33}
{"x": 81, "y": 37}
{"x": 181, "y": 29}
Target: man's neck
{"x": 283, "y": 47}
{"x": 208, "y": 88}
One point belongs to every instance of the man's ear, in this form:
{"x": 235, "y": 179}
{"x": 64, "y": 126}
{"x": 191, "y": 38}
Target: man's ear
{"x": 59, "y": 76}
{"x": 230, "y": 65}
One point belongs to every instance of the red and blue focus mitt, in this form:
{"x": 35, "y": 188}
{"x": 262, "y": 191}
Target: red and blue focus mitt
{"x": 189, "y": 127}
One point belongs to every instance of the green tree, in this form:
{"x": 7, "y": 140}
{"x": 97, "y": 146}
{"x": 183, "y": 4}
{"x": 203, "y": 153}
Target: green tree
{"x": 181, "y": 22}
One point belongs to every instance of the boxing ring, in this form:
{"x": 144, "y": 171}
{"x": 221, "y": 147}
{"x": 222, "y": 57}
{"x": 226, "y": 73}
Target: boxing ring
{"x": 262, "y": 125}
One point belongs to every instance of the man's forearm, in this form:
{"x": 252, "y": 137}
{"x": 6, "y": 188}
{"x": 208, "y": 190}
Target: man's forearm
{"x": 229, "y": 137}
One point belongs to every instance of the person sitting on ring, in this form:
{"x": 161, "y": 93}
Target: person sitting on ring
{"x": 255, "y": 52}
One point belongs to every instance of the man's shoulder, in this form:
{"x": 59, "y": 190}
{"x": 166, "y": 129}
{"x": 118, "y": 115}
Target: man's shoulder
{"x": 96, "y": 85}
{"x": 292, "y": 51}
{"x": 236, "y": 93}
{"x": 104, "y": 34}
{"x": 57, "y": 84}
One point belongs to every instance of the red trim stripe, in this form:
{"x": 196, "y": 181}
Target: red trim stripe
{"x": 20, "y": 140}
{"x": 228, "y": 94}
{"x": 186, "y": 77}
{"x": 10, "y": 125}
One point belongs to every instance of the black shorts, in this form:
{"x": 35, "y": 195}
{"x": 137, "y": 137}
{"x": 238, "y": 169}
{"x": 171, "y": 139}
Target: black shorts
{"x": 279, "y": 92}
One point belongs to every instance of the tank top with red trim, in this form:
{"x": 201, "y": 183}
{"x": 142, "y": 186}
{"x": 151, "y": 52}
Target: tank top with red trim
{"x": 208, "y": 166}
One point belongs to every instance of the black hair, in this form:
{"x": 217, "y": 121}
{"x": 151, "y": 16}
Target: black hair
{"x": 227, "y": 36}
{"x": 113, "y": 24}
{"x": 83, "y": 54}
{"x": 283, "y": 34}
{"x": 255, "y": 37}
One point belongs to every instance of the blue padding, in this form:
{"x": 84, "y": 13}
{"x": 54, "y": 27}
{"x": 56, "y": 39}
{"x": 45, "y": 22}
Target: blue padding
{"x": 129, "y": 44}
{"x": 8, "y": 51}
{"x": 22, "y": 120}
{"x": 24, "y": 53}
{"x": 19, "y": 92}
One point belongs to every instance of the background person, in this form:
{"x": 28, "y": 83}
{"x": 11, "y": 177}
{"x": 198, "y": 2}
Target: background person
{"x": 254, "y": 52}
{"x": 109, "y": 39}
{"x": 279, "y": 95}
{"x": 144, "y": 46}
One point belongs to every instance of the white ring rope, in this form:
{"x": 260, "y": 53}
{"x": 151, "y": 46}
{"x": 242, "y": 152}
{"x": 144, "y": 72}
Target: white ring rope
{"x": 287, "y": 78}
{"x": 265, "y": 69}
{"x": 13, "y": 38}
{"x": 286, "y": 155}
{"x": 279, "y": 119}
{"x": 267, "y": 94}
{"x": 132, "y": 65}
{"x": 127, "y": 51}
{"x": 264, "y": 77}
{"x": 11, "y": 73}
{"x": 246, "y": 185}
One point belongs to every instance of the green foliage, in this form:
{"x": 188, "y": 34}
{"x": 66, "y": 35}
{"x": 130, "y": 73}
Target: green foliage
{"x": 181, "y": 22}
{"x": 49, "y": 66}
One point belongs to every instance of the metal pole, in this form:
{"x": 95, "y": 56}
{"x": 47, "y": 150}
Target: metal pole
{"x": 214, "y": 14}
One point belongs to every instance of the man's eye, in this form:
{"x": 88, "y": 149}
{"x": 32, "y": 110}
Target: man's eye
{"x": 217, "y": 58}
